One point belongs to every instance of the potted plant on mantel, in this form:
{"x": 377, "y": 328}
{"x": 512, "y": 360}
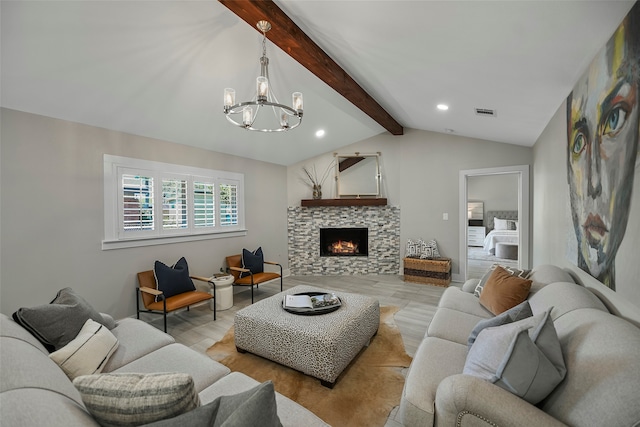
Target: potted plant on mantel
{"x": 314, "y": 181}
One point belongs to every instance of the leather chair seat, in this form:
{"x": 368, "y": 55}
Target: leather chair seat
{"x": 234, "y": 262}
{"x": 147, "y": 292}
{"x": 181, "y": 300}
{"x": 257, "y": 278}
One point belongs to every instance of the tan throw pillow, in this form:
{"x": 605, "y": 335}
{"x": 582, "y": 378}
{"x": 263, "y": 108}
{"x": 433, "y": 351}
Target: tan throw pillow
{"x": 503, "y": 291}
{"x": 511, "y": 270}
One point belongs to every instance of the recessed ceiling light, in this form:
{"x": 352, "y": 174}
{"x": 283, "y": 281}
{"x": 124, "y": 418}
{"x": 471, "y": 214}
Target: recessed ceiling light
{"x": 443, "y": 107}
{"x": 320, "y": 133}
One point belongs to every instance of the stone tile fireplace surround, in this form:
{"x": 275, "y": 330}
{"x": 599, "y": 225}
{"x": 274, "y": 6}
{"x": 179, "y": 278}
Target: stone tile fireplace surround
{"x": 304, "y": 224}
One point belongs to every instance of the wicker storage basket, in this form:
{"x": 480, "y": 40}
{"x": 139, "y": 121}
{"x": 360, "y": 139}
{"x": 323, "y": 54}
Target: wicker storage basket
{"x": 435, "y": 271}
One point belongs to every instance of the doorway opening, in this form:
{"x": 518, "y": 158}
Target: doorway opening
{"x": 505, "y": 206}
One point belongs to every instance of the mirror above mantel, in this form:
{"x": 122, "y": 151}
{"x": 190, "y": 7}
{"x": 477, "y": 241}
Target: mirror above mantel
{"x": 358, "y": 175}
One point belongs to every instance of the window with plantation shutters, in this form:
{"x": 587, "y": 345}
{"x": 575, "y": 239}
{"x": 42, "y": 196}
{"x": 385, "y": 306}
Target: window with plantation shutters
{"x": 137, "y": 203}
{"x": 148, "y": 203}
{"x": 228, "y": 205}
{"x": 204, "y": 204}
{"x": 174, "y": 204}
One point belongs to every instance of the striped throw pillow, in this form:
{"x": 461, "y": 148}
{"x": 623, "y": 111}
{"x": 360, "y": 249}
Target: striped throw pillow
{"x": 135, "y": 399}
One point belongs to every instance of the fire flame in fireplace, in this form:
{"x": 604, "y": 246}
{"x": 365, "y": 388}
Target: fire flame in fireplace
{"x": 343, "y": 247}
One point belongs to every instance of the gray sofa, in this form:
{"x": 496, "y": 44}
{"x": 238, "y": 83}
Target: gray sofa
{"x": 601, "y": 353}
{"x": 35, "y": 391}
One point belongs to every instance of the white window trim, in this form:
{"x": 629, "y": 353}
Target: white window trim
{"x": 112, "y": 185}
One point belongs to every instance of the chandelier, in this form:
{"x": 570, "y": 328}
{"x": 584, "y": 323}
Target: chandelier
{"x": 248, "y": 111}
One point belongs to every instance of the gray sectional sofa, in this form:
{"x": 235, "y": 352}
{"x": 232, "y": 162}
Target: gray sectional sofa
{"x": 601, "y": 354}
{"x": 34, "y": 391}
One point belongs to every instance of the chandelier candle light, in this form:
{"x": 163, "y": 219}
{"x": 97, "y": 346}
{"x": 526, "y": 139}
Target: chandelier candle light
{"x": 264, "y": 98}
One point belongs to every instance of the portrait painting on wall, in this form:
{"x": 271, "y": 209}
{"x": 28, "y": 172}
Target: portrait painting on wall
{"x": 602, "y": 153}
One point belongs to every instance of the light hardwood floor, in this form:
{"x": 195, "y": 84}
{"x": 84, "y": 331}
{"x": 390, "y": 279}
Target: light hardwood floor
{"x": 416, "y": 302}
{"x": 478, "y": 262}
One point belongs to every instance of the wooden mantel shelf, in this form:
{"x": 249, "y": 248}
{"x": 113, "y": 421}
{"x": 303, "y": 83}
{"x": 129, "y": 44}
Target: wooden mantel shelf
{"x": 344, "y": 202}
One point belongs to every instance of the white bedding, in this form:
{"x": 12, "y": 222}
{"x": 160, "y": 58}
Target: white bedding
{"x": 499, "y": 236}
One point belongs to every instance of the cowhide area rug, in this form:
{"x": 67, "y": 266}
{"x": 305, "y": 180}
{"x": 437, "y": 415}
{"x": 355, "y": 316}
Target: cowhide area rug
{"x": 364, "y": 394}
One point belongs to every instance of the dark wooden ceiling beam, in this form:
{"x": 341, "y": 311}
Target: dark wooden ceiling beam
{"x": 348, "y": 162}
{"x": 289, "y": 37}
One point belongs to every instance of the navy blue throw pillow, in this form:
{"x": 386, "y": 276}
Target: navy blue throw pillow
{"x": 253, "y": 261}
{"x": 173, "y": 280}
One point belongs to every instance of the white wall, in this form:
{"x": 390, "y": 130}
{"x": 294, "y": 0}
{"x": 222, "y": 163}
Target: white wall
{"x": 551, "y": 222}
{"x": 386, "y": 144}
{"x": 497, "y": 192}
{"x": 52, "y": 213}
{"x": 420, "y": 174}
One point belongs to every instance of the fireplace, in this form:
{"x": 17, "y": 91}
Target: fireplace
{"x": 344, "y": 242}
{"x": 383, "y": 243}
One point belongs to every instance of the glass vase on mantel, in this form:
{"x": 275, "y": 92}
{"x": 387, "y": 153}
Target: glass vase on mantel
{"x": 317, "y": 192}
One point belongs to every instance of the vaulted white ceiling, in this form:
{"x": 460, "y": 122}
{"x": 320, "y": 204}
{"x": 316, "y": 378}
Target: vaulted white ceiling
{"x": 158, "y": 68}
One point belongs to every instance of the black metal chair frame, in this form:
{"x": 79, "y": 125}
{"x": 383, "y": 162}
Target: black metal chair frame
{"x": 160, "y": 295}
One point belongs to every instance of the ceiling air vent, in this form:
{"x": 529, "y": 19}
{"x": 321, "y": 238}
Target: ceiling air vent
{"x": 485, "y": 112}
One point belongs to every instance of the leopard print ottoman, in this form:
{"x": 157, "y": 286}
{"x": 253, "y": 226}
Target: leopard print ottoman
{"x": 320, "y": 346}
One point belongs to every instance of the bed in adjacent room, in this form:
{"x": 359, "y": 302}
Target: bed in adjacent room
{"x": 502, "y": 227}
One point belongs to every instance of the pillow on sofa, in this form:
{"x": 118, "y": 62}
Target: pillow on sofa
{"x": 523, "y": 357}
{"x": 87, "y": 353}
{"x": 519, "y": 312}
{"x": 253, "y": 261}
{"x": 545, "y": 337}
{"x": 135, "y": 399}
{"x": 253, "y": 407}
{"x": 108, "y": 321}
{"x": 56, "y": 324}
{"x": 470, "y": 286}
{"x": 173, "y": 280}
{"x": 503, "y": 291}
{"x": 512, "y": 270}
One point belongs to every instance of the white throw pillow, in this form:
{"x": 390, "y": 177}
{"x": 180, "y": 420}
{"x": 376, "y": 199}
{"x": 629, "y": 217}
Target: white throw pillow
{"x": 88, "y": 352}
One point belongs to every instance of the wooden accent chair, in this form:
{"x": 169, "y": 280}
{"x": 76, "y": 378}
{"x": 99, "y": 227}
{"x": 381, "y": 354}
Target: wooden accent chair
{"x": 147, "y": 288}
{"x": 234, "y": 262}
